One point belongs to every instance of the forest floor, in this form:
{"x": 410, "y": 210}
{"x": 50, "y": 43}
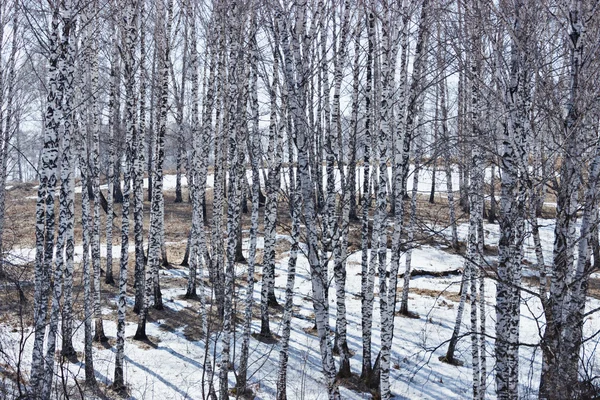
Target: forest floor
{"x": 170, "y": 365}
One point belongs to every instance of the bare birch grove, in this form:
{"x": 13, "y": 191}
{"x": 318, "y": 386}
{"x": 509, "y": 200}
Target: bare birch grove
{"x": 346, "y": 199}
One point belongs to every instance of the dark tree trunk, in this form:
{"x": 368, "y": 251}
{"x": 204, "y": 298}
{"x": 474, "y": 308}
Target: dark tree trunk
{"x": 239, "y": 256}
{"x": 186, "y": 256}
{"x": 117, "y": 192}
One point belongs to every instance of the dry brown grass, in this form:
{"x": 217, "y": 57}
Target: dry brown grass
{"x": 20, "y": 218}
{"x": 452, "y": 296}
{"x": 594, "y": 288}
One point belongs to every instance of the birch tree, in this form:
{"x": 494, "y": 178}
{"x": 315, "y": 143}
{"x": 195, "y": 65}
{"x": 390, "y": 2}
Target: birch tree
{"x": 401, "y": 164}
{"x": 367, "y": 269}
{"x": 64, "y": 262}
{"x": 235, "y": 28}
{"x": 386, "y": 302}
{"x": 45, "y": 218}
{"x": 476, "y": 202}
{"x": 91, "y": 62}
{"x": 196, "y": 158}
{"x": 152, "y": 285}
{"x": 340, "y": 238}
{"x": 563, "y": 308}
{"x": 295, "y": 77}
{"x": 253, "y": 141}
{"x": 129, "y": 35}
{"x": 6, "y": 130}
{"x": 113, "y": 118}
{"x": 138, "y": 172}
{"x": 272, "y": 188}
{"x": 291, "y": 279}
{"x": 507, "y": 326}
{"x": 90, "y": 378}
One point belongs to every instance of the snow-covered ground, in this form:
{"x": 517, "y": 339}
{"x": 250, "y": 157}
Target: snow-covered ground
{"x": 424, "y": 184}
{"x": 21, "y": 256}
{"x": 173, "y": 370}
{"x": 425, "y": 179}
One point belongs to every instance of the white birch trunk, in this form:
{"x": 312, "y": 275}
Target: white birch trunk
{"x": 90, "y": 378}
{"x": 152, "y": 288}
{"x": 367, "y": 269}
{"x": 254, "y": 154}
{"x": 385, "y": 300}
{"x": 272, "y": 188}
{"x": 130, "y": 36}
{"x": 341, "y": 233}
{"x": 289, "y": 288}
{"x": 138, "y": 175}
{"x": 113, "y": 119}
{"x": 66, "y": 216}
{"x": 511, "y": 219}
{"x": 235, "y": 131}
{"x": 45, "y": 219}
{"x": 564, "y": 307}
{"x": 12, "y": 121}
{"x": 297, "y": 93}
{"x": 92, "y": 60}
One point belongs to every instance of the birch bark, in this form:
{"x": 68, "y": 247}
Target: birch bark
{"x": 235, "y": 132}
{"x": 45, "y": 219}
{"x": 272, "y": 188}
{"x": 563, "y": 308}
{"x": 130, "y": 36}
{"x": 367, "y": 269}
{"x": 64, "y": 257}
{"x": 138, "y": 173}
{"x": 253, "y": 142}
{"x": 92, "y": 65}
{"x": 90, "y": 378}
{"x": 297, "y": 93}
{"x": 511, "y": 222}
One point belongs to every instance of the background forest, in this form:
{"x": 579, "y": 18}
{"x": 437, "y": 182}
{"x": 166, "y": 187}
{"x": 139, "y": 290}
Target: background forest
{"x": 307, "y": 199}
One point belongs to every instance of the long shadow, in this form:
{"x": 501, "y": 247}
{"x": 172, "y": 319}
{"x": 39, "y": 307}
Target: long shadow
{"x": 160, "y": 378}
{"x": 182, "y": 357}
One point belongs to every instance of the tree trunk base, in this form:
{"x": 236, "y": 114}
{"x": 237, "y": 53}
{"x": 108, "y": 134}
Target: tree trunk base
{"x": 272, "y": 301}
{"x": 118, "y": 385}
{"x": 374, "y": 379}
{"x": 265, "y": 331}
{"x": 191, "y": 295}
{"x": 109, "y": 280}
{"x": 99, "y": 335}
{"x": 371, "y": 383}
{"x": 451, "y": 361}
{"x": 366, "y": 373}
{"x": 68, "y": 352}
{"x": 140, "y": 333}
{"x": 266, "y": 339}
{"x": 344, "y": 371}
{"x": 404, "y": 312}
{"x": 91, "y": 384}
